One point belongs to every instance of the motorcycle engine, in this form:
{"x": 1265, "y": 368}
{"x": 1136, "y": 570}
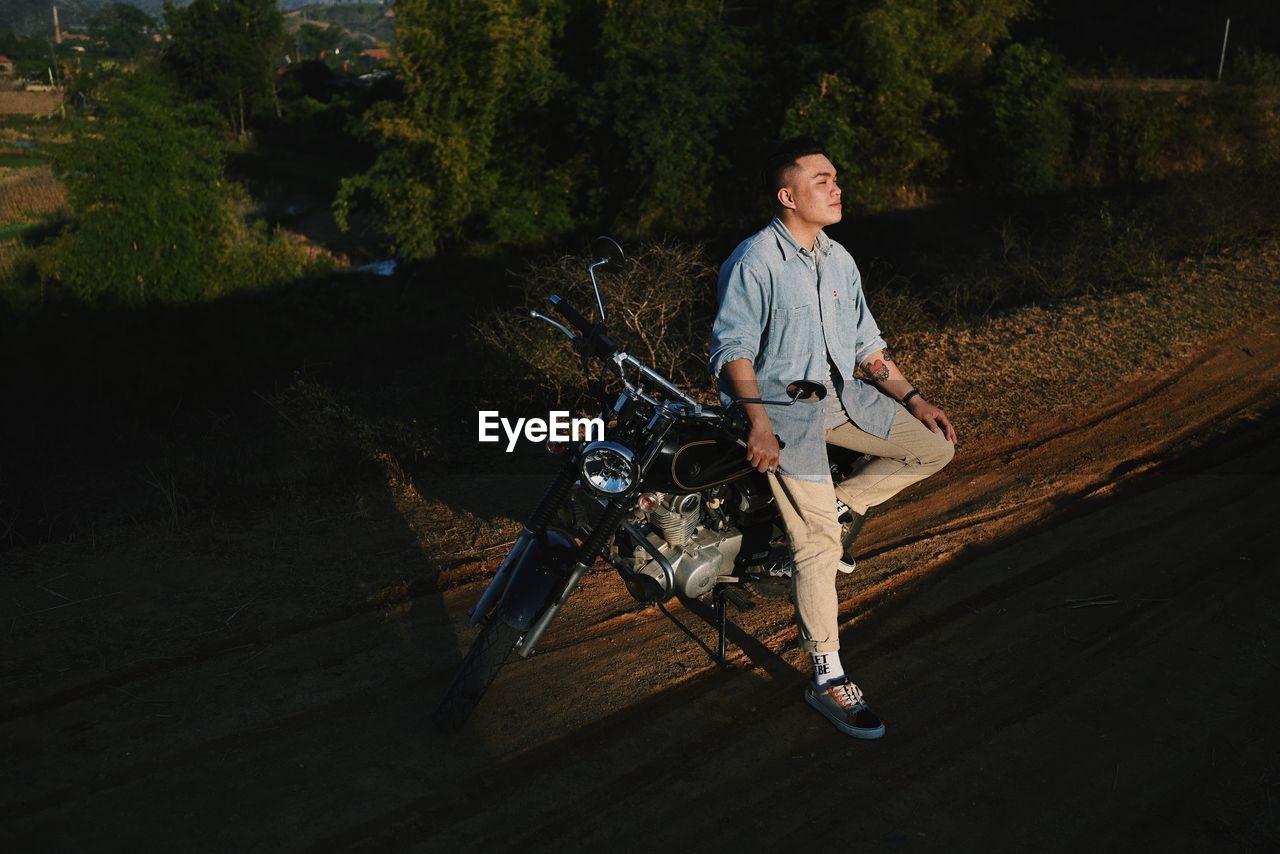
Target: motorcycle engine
{"x": 697, "y": 554}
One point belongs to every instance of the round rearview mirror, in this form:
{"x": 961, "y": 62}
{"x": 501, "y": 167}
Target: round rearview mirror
{"x": 806, "y": 390}
{"x": 606, "y": 249}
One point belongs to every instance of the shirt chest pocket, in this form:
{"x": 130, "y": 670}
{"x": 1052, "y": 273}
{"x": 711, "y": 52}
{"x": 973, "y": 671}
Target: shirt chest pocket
{"x": 846, "y": 320}
{"x": 791, "y": 328}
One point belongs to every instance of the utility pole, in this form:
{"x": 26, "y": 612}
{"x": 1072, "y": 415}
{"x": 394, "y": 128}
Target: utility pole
{"x": 57, "y": 28}
{"x": 1223, "y": 60}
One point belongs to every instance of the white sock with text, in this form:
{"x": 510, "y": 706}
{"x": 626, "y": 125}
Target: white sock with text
{"x": 826, "y": 667}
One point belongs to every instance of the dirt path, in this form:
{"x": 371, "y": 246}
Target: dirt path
{"x": 1072, "y": 638}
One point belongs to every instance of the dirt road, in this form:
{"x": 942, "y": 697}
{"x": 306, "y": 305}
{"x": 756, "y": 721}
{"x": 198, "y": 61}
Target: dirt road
{"x": 1072, "y": 638}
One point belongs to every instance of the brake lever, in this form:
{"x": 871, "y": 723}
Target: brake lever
{"x": 557, "y": 324}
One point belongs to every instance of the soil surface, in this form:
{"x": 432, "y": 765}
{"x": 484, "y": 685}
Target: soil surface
{"x": 1072, "y": 633}
{"x": 29, "y": 103}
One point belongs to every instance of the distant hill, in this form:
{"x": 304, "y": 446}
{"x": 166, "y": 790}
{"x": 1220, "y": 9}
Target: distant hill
{"x": 34, "y": 18}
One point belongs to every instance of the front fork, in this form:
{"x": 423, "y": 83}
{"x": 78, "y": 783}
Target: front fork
{"x": 530, "y": 584}
{"x": 587, "y": 553}
{"x": 534, "y": 528}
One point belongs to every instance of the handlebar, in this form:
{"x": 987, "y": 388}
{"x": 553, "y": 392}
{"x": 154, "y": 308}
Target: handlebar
{"x": 594, "y": 341}
{"x": 571, "y": 314}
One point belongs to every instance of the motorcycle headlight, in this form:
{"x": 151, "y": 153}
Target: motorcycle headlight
{"x": 608, "y": 468}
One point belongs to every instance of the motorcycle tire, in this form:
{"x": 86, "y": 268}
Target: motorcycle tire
{"x": 488, "y": 653}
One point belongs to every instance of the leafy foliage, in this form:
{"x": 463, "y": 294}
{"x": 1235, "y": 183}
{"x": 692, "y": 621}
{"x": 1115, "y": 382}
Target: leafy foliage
{"x": 1256, "y": 67}
{"x": 155, "y": 218}
{"x": 313, "y": 41}
{"x": 1119, "y": 136}
{"x": 1026, "y": 129}
{"x": 225, "y": 51}
{"x": 887, "y": 79}
{"x": 125, "y": 29}
{"x": 469, "y": 142}
{"x": 671, "y": 83}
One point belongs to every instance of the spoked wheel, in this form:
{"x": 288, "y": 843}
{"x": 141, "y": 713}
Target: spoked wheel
{"x": 488, "y": 653}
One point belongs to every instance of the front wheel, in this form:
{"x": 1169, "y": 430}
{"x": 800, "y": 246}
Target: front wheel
{"x": 479, "y": 668}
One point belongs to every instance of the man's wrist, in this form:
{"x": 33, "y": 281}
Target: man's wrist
{"x": 915, "y": 392}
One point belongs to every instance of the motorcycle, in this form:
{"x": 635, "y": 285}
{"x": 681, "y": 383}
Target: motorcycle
{"x": 667, "y": 497}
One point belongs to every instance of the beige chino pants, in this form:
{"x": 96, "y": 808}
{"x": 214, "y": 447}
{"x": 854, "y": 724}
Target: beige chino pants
{"x": 911, "y": 453}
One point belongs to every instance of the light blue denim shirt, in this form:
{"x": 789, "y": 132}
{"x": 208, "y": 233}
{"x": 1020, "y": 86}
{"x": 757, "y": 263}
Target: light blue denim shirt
{"x": 786, "y": 309}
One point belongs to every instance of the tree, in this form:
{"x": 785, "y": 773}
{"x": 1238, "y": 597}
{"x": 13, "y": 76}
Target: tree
{"x": 889, "y": 78}
{"x": 468, "y": 146}
{"x": 226, "y": 51}
{"x": 1025, "y": 129}
{"x": 311, "y": 40}
{"x": 125, "y": 29}
{"x": 672, "y": 82}
{"x": 153, "y": 215}
{"x": 155, "y": 218}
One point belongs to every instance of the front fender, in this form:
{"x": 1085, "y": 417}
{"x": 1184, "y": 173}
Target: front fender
{"x": 537, "y": 578}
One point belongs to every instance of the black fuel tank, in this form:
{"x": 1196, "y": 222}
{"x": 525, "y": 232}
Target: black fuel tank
{"x": 694, "y": 459}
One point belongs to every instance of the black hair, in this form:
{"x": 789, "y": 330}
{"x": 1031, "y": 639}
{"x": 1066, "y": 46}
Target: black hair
{"x": 784, "y": 157}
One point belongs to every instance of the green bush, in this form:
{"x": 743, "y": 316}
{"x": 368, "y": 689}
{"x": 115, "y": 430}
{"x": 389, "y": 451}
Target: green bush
{"x": 1119, "y": 135}
{"x": 1255, "y": 67}
{"x": 1025, "y": 127}
{"x": 672, "y": 81}
{"x": 155, "y": 218}
{"x": 467, "y": 145}
{"x": 887, "y": 81}
{"x": 880, "y": 143}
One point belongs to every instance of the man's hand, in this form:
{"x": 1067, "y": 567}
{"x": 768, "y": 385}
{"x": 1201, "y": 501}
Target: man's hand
{"x": 880, "y": 369}
{"x": 932, "y": 417}
{"x": 762, "y": 447}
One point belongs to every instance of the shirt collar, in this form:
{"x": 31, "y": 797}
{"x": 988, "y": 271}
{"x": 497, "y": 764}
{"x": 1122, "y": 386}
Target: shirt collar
{"x": 787, "y": 244}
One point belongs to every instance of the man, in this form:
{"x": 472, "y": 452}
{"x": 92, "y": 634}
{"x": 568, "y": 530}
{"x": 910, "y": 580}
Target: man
{"x": 792, "y": 307}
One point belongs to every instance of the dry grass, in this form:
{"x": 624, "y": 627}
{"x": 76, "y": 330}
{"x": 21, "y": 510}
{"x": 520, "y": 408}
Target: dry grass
{"x": 10, "y": 251}
{"x": 31, "y": 194}
{"x": 29, "y": 103}
{"x": 997, "y": 375}
{"x": 659, "y": 311}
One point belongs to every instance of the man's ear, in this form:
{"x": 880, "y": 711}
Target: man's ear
{"x": 786, "y": 199}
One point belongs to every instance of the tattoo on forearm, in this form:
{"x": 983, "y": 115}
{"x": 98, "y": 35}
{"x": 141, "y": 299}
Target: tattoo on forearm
{"x": 875, "y": 371}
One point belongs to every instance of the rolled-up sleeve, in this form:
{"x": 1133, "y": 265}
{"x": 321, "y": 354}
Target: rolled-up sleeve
{"x": 868, "y": 332}
{"x": 741, "y": 317}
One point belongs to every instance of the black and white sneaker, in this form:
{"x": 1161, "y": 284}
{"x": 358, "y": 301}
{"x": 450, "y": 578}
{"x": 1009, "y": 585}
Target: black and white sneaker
{"x": 842, "y": 703}
{"x": 843, "y": 513}
{"x": 849, "y": 531}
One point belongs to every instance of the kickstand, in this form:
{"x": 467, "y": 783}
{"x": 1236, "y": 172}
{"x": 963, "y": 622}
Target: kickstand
{"x": 718, "y": 597}
{"x": 719, "y": 623}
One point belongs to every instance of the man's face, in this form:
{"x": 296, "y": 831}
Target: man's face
{"x": 811, "y": 191}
